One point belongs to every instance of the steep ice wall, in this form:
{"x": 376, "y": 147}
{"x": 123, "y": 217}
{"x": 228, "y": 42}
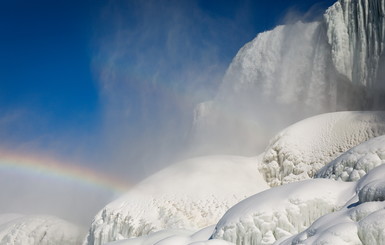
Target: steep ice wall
{"x": 356, "y": 34}
{"x": 275, "y": 79}
{"x": 295, "y": 71}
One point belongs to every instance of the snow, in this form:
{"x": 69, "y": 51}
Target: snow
{"x": 299, "y": 151}
{"x": 191, "y": 195}
{"x": 16, "y": 229}
{"x": 175, "y": 237}
{"x": 356, "y": 162}
{"x": 281, "y": 211}
{"x": 360, "y": 221}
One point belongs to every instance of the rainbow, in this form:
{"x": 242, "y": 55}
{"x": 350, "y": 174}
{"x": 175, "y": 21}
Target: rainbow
{"x": 49, "y": 167}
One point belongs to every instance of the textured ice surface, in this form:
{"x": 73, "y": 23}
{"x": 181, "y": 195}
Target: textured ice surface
{"x": 300, "y": 150}
{"x": 38, "y": 230}
{"x": 360, "y": 221}
{"x": 277, "y": 78}
{"x": 175, "y": 237}
{"x": 189, "y": 195}
{"x": 356, "y": 34}
{"x": 356, "y": 162}
{"x": 295, "y": 71}
{"x": 282, "y": 211}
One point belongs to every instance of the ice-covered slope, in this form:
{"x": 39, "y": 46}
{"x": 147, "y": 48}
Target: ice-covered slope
{"x": 295, "y": 71}
{"x": 300, "y": 150}
{"x": 38, "y": 230}
{"x": 361, "y": 221}
{"x": 191, "y": 194}
{"x": 282, "y": 211}
{"x": 175, "y": 237}
{"x": 357, "y": 162}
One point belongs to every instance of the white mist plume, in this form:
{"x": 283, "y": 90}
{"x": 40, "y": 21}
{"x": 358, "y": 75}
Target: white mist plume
{"x": 155, "y": 62}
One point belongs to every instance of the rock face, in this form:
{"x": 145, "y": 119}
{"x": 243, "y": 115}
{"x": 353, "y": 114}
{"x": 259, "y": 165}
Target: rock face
{"x": 38, "y": 230}
{"x": 296, "y": 71}
{"x": 188, "y": 195}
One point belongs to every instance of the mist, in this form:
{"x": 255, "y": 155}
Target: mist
{"x": 153, "y": 63}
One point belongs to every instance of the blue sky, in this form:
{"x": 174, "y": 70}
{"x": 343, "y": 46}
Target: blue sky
{"x": 107, "y": 81}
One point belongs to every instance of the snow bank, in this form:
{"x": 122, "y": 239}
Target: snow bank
{"x": 189, "y": 195}
{"x": 360, "y": 221}
{"x": 175, "y": 237}
{"x": 18, "y": 229}
{"x": 302, "y": 149}
{"x": 282, "y": 211}
{"x": 356, "y": 162}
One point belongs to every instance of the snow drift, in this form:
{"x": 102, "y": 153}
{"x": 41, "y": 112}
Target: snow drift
{"x": 299, "y": 151}
{"x": 18, "y": 229}
{"x": 357, "y": 162}
{"x": 191, "y": 195}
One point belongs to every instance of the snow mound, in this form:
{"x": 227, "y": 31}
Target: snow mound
{"x": 360, "y": 221}
{"x": 18, "y": 229}
{"x": 299, "y": 151}
{"x": 356, "y": 162}
{"x": 189, "y": 195}
{"x": 175, "y": 237}
{"x": 282, "y": 211}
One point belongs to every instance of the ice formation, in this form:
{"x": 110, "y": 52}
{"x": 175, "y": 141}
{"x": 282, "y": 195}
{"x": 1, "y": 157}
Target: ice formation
{"x": 18, "y": 229}
{"x": 282, "y": 211}
{"x": 175, "y": 237}
{"x": 190, "y": 195}
{"x": 295, "y": 71}
{"x": 300, "y": 150}
{"x": 355, "y": 163}
{"x": 360, "y": 221}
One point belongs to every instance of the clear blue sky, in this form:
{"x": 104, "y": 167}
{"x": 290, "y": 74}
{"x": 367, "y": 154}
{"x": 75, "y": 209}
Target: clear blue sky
{"x": 72, "y": 69}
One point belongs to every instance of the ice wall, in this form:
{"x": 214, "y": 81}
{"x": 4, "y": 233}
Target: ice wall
{"x": 295, "y": 71}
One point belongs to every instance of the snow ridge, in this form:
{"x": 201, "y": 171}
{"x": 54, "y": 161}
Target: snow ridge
{"x": 299, "y": 151}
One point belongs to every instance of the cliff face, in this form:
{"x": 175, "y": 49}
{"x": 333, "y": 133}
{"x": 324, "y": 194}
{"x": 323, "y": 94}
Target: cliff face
{"x": 296, "y": 71}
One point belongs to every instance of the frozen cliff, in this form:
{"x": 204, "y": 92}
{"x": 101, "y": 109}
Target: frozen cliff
{"x": 295, "y": 71}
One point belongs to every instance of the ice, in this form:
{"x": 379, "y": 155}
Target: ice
{"x": 190, "y": 195}
{"x": 360, "y": 221}
{"x": 17, "y": 229}
{"x": 175, "y": 237}
{"x": 302, "y": 149}
{"x": 281, "y": 211}
{"x": 357, "y": 162}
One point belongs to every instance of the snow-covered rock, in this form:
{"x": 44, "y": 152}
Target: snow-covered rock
{"x": 360, "y": 221}
{"x": 18, "y": 229}
{"x": 190, "y": 195}
{"x": 356, "y": 162}
{"x": 282, "y": 211}
{"x": 299, "y": 151}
